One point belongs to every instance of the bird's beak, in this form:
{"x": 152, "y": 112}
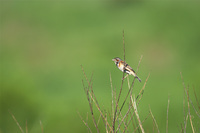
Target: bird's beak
{"x": 113, "y": 59}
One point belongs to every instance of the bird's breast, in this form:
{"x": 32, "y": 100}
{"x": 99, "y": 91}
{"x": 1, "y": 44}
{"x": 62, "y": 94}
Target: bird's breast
{"x": 121, "y": 67}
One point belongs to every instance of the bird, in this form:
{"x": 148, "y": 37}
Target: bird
{"x": 124, "y": 67}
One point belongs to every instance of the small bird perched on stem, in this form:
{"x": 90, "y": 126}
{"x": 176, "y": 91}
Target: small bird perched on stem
{"x": 124, "y": 67}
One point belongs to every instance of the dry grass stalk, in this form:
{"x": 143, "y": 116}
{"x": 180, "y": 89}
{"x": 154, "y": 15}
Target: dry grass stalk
{"x": 142, "y": 90}
{"x": 194, "y": 108}
{"x": 41, "y": 125}
{"x": 112, "y": 93}
{"x": 130, "y": 87}
{"x": 136, "y": 113}
{"x": 142, "y": 122}
{"x": 26, "y": 127}
{"x": 185, "y": 122}
{"x": 91, "y": 108}
{"x": 167, "y": 114}
{"x": 16, "y": 122}
{"x": 85, "y": 123}
{"x": 196, "y": 98}
{"x": 140, "y": 94}
{"x": 154, "y": 120}
{"x": 186, "y": 119}
{"x": 188, "y": 103}
{"x": 189, "y": 110}
{"x": 115, "y": 113}
{"x": 94, "y": 99}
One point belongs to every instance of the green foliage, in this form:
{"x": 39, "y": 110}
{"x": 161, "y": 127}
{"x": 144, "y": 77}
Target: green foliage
{"x": 44, "y": 43}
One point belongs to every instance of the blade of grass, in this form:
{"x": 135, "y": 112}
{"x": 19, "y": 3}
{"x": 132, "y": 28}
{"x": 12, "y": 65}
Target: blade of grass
{"x": 116, "y": 106}
{"x": 196, "y": 98}
{"x": 194, "y": 108}
{"x": 94, "y": 99}
{"x": 130, "y": 89}
{"x": 184, "y": 103}
{"x": 137, "y": 115}
{"x": 186, "y": 119}
{"x": 154, "y": 120}
{"x": 84, "y": 122}
{"x": 112, "y": 93}
{"x": 26, "y": 127}
{"x": 188, "y": 103}
{"x": 90, "y": 105}
{"x": 189, "y": 110}
{"x": 167, "y": 114}
{"x": 141, "y": 93}
{"x": 143, "y": 121}
{"x": 16, "y": 121}
{"x": 41, "y": 125}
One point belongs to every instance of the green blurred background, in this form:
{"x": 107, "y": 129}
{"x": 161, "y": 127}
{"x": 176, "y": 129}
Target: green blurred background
{"x": 43, "y": 44}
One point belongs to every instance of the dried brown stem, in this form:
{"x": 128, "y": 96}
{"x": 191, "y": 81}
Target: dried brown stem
{"x": 137, "y": 115}
{"x": 188, "y": 103}
{"x": 154, "y": 120}
{"x": 143, "y": 121}
{"x": 94, "y": 99}
{"x": 167, "y": 114}
{"x": 115, "y": 113}
{"x": 85, "y": 123}
{"x": 41, "y": 125}
{"x": 16, "y": 122}
{"x": 26, "y": 127}
{"x": 130, "y": 88}
{"x": 196, "y": 98}
{"x": 185, "y": 123}
{"x": 189, "y": 110}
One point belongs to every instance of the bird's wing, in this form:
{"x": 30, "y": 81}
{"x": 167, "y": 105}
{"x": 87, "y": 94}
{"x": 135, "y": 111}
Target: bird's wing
{"x": 128, "y": 68}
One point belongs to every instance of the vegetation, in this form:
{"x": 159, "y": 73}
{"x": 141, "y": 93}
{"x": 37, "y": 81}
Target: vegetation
{"x": 43, "y": 44}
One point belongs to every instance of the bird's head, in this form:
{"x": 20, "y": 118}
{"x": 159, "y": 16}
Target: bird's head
{"x": 117, "y": 59}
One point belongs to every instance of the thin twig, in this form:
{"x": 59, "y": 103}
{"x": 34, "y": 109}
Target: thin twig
{"x": 90, "y": 101}
{"x": 113, "y": 125}
{"x": 140, "y": 97}
{"x": 16, "y": 121}
{"x": 91, "y": 109}
{"x": 154, "y": 120}
{"x": 184, "y": 103}
{"x": 94, "y": 99}
{"x": 167, "y": 114}
{"x": 196, "y": 98}
{"x": 137, "y": 115}
{"x": 26, "y": 127}
{"x": 187, "y": 93}
{"x": 189, "y": 110}
{"x": 194, "y": 108}
{"x": 106, "y": 125}
{"x": 186, "y": 119}
{"x": 41, "y": 125}
{"x": 112, "y": 93}
{"x": 124, "y": 118}
{"x": 99, "y": 120}
{"x": 87, "y": 121}
{"x": 130, "y": 89}
{"x": 84, "y": 122}
{"x": 142, "y": 90}
{"x": 143, "y": 121}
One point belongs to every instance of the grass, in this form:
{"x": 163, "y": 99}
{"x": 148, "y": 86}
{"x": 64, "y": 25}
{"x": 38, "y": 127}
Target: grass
{"x": 122, "y": 118}
{"x": 20, "y": 127}
{"x": 118, "y": 120}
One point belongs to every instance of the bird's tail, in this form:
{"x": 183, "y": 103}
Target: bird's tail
{"x": 138, "y": 78}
